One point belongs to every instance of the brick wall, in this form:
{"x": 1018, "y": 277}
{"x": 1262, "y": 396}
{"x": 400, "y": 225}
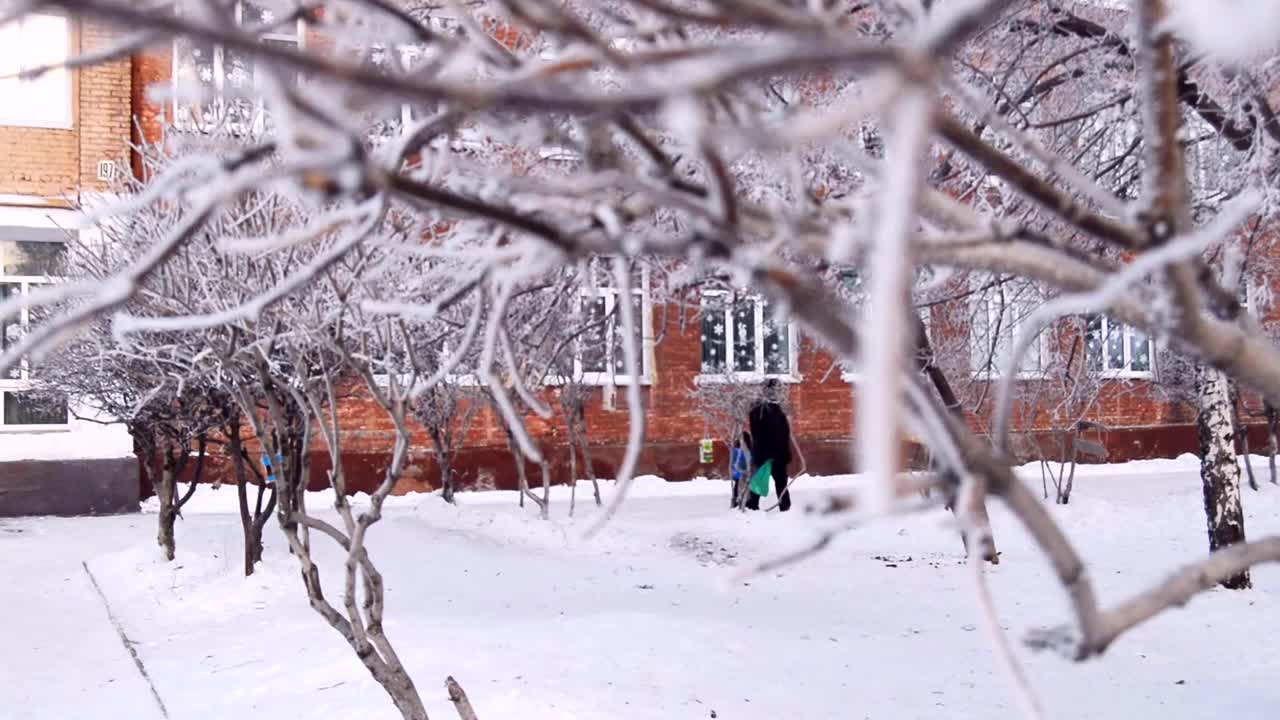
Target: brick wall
{"x": 153, "y": 67}
{"x": 822, "y": 405}
{"x": 106, "y": 104}
{"x": 822, "y": 410}
{"x": 60, "y": 163}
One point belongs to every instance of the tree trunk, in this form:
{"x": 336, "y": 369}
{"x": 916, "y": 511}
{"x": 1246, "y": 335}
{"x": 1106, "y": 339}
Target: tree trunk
{"x": 251, "y": 523}
{"x": 924, "y": 362}
{"x": 1273, "y": 430}
{"x": 166, "y": 492}
{"x": 242, "y": 495}
{"x": 1071, "y": 478}
{"x": 575, "y": 421}
{"x": 403, "y": 693}
{"x": 447, "y": 487}
{"x": 444, "y": 460}
{"x": 1073, "y": 457}
{"x": 522, "y": 476}
{"x": 546, "y": 490}
{"x": 1242, "y": 434}
{"x": 1219, "y": 471}
{"x": 573, "y": 470}
{"x": 584, "y": 442}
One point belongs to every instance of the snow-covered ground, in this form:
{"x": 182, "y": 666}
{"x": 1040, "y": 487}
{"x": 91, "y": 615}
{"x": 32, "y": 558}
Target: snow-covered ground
{"x": 646, "y": 620}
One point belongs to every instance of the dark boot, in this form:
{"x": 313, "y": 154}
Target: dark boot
{"x": 780, "y": 482}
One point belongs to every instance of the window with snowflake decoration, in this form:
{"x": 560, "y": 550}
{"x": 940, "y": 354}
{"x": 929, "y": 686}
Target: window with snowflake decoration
{"x": 1116, "y": 350}
{"x": 219, "y": 88}
{"x": 743, "y": 336}
{"x": 405, "y": 59}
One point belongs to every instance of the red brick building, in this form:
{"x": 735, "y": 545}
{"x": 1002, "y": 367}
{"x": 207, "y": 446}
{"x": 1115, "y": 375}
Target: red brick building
{"x": 62, "y": 137}
{"x": 53, "y": 160}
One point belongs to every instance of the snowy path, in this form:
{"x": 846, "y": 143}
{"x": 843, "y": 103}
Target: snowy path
{"x": 61, "y": 656}
{"x": 642, "y": 622}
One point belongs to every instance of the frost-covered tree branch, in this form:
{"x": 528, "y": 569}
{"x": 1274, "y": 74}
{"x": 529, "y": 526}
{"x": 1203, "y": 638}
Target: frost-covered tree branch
{"x": 407, "y": 200}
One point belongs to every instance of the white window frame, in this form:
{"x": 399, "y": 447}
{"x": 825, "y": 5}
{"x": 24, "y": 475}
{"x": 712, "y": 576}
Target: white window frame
{"x": 858, "y": 299}
{"x": 1204, "y": 158}
{"x": 558, "y": 153}
{"x": 612, "y": 376}
{"x": 1245, "y": 289}
{"x": 23, "y": 381}
{"x": 462, "y": 379}
{"x": 182, "y": 112}
{"x": 731, "y": 374}
{"x": 1018, "y": 309}
{"x": 409, "y": 53}
{"x": 1128, "y": 333}
{"x": 15, "y": 105}
{"x": 853, "y": 376}
{"x": 1122, "y": 134}
{"x": 383, "y": 381}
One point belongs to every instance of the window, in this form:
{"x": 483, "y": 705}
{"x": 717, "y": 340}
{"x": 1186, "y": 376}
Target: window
{"x": 998, "y": 318}
{"x": 395, "y": 121}
{"x": 1246, "y": 290}
{"x": 872, "y": 141}
{"x": 1211, "y": 161}
{"x": 396, "y": 59}
{"x": 28, "y": 258}
{"x": 741, "y": 336}
{"x": 599, "y": 357}
{"x": 404, "y": 59}
{"x": 558, "y": 153}
{"x": 33, "y": 41}
{"x": 851, "y": 284}
{"x": 1116, "y": 350}
{"x": 1112, "y": 141}
{"x": 220, "y": 87}
{"x": 464, "y": 373}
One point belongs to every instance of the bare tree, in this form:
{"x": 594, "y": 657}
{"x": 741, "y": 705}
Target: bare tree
{"x": 574, "y": 396}
{"x": 301, "y": 389}
{"x": 724, "y": 407}
{"x": 155, "y": 390}
{"x": 446, "y": 410}
{"x": 253, "y": 519}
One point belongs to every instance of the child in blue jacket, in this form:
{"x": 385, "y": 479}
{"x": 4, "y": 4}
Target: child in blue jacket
{"x": 739, "y": 464}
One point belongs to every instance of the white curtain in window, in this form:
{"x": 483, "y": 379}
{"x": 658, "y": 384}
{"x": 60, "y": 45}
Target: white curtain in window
{"x": 35, "y": 41}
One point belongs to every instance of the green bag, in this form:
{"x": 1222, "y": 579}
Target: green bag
{"x": 760, "y": 481}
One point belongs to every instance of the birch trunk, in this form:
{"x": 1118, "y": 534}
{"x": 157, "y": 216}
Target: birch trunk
{"x": 1242, "y": 435}
{"x": 1219, "y": 471}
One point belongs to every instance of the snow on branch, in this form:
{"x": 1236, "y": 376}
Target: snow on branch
{"x": 353, "y": 224}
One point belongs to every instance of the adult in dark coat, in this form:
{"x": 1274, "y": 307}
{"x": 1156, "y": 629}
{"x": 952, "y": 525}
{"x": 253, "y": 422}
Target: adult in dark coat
{"x": 771, "y": 442}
